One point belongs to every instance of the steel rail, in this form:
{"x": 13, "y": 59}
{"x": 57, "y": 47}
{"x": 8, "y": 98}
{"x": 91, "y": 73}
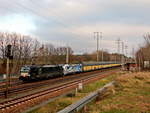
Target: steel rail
{"x": 58, "y": 90}
{"x": 79, "y": 104}
{"x": 30, "y": 86}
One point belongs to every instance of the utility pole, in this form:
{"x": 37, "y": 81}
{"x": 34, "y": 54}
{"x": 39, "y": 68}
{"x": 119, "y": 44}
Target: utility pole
{"x": 7, "y": 78}
{"x": 140, "y": 59}
{"x": 102, "y": 55}
{"x": 122, "y": 52}
{"x": 134, "y": 57}
{"x": 126, "y": 52}
{"x": 122, "y": 59}
{"x": 101, "y": 46}
{"x": 118, "y": 43}
{"x": 97, "y": 38}
{"x": 67, "y": 56}
{"x": 98, "y": 35}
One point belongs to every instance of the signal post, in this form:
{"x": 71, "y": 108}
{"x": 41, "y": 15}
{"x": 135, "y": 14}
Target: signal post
{"x": 8, "y": 56}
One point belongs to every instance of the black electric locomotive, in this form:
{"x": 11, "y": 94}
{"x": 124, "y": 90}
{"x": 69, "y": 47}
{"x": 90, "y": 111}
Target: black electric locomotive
{"x": 28, "y": 73}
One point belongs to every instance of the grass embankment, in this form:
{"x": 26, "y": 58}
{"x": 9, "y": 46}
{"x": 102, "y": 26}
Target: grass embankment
{"x": 132, "y": 95}
{"x": 63, "y": 102}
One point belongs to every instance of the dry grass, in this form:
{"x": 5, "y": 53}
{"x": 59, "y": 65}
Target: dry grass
{"x": 132, "y": 95}
{"x": 61, "y": 103}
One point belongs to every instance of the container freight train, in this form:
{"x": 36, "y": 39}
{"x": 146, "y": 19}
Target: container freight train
{"x": 28, "y": 73}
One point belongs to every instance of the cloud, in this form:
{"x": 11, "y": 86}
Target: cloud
{"x": 83, "y": 35}
{"x": 73, "y": 22}
{"x": 16, "y": 23}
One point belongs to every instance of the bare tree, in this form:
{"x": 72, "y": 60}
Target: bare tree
{"x": 143, "y": 54}
{"x": 22, "y": 47}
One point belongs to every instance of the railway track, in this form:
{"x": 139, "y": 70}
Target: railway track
{"x": 14, "y": 81}
{"x": 21, "y": 103}
{"x": 20, "y": 88}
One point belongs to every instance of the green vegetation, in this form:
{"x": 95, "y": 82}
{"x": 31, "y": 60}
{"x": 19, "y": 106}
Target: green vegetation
{"x": 63, "y": 102}
{"x": 132, "y": 95}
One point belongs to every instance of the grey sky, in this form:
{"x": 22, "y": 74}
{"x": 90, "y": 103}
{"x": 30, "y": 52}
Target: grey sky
{"x": 73, "y": 22}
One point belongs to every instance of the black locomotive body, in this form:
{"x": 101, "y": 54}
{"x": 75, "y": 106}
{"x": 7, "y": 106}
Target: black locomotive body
{"x": 40, "y": 72}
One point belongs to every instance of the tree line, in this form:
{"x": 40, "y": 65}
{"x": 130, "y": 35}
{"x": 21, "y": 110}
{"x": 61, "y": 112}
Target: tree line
{"x": 27, "y": 50}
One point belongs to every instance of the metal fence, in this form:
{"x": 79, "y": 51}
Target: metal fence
{"x": 79, "y": 104}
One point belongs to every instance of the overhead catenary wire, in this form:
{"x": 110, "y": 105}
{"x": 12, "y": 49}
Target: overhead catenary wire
{"x": 55, "y": 18}
{"x": 47, "y": 18}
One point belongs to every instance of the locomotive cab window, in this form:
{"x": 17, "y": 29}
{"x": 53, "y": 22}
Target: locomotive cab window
{"x": 40, "y": 71}
{"x": 25, "y": 69}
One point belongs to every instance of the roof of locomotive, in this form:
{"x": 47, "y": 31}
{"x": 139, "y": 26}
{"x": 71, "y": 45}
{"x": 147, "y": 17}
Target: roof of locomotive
{"x": 37, "y": 66}
{"x": 31, "y": 66}
{"x": 51, "y": 66}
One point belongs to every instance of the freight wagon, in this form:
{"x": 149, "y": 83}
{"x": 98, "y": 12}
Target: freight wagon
{"x": 49, "y": 71}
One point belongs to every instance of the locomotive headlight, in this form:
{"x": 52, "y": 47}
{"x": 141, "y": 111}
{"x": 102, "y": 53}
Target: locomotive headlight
{"x": 29, "y": 75}
{"x": 25, "y": 74}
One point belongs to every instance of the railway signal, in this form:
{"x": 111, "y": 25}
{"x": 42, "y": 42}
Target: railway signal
{"x": 8, "y": 56}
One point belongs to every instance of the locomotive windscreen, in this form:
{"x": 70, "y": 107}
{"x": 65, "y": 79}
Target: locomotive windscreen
{"x": 25, "y": 69}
